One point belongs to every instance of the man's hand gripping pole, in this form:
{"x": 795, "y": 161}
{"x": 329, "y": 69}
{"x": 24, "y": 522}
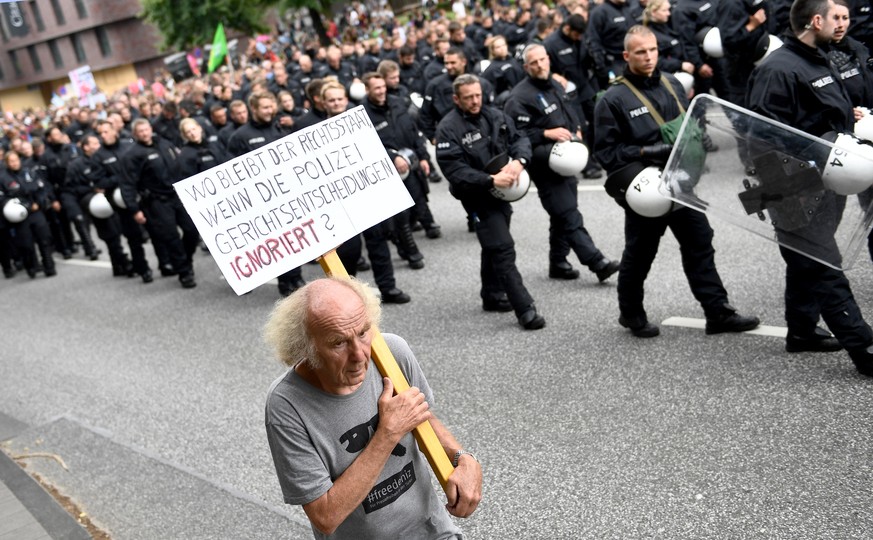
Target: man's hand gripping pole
{"x": 424, "y": 433}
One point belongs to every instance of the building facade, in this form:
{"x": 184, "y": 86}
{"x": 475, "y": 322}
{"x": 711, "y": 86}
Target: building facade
{"x": 43, "y": 40}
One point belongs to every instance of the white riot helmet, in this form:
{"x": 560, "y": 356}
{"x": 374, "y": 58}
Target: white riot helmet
{"x": 864, "y": 126}
{"x": 685, "y": 79}
{"x": 568, "y": 158}
{"x": 99, "y": 207}
{"x": 411, "y": 160}
{"x": 483, "y": 65}
{"x": 416, "y": 99}
{"x": 357, "y": 91}
{"x": 849, "y": 167}
{"x": 643, "y": 196}
{"x": 117, "y": 198}
{"x": 14, "y": 211}
{"x": 765, "y": 46}
{"x": 516, "y": 192}
{"x": 710, "y": 40}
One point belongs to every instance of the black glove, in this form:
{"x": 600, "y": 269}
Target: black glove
{"x": 658, "y": 152}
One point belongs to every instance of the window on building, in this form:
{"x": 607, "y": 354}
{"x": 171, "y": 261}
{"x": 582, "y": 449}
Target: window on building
{"x": 16, "y": 65}
{"x": 80, "y": 9}
{"x": 56, "y": 53}
{"x": 34, "y": 58}
{"x": 103, "y": 40}
{"x": 77, "y": 46}
{"x": 59, "y": 12}
{"x": 37, "y": 16}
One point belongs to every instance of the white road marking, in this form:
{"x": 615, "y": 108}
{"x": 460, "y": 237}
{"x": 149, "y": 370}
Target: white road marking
{"x": 700, "y": 324}
{"x": 79, "y": 262}
{"x": 590, "y": 188}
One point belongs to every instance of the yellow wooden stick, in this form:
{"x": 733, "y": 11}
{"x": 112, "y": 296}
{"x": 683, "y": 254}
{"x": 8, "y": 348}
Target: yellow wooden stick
{"x": 387, "y": 365}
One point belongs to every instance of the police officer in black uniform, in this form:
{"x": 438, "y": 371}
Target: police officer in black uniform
{"x": 335, "y": 102}
{"x": 87, "y": 176}
{"x": 198, "y": 154}
{"x": 52, "y": 167}
{"x": 627, "y": 134}
{"x": 568, "y": 57}
{"x": 112, "y": 147}
{"x": 150, "y": 170}
{"x": 607, "y": 26}
{"x": 539, "y": 111}
{"x": 689, "y": 18}
{"x": 468, "y": 138}
{"x": 797, "y": 85}
{"x": 405, "y": 146}
{"x": 504, "y": 71}
{"x": 438, "y": 96}
{"x": 261, "y": 130}
{"x": 239, "y": 116}
{"x": 743, "y": 24}
{"x": 36, "y": 195}
{"x": 850, "y": 57}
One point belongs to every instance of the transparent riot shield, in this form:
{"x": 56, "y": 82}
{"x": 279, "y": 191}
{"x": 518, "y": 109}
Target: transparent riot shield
{"x": 800, "y": 191}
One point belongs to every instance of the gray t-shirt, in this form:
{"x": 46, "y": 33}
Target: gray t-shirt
{"x": 314, "y": 436}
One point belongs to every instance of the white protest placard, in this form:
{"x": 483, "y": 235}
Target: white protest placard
{"x": 290, "y": 201}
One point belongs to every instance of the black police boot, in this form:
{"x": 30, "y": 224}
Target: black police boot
{"x": 406, "y": 246}
{"x": 394, "y": 296}
{"x": 82, "y": 229}
{"x": 562, "y": 270}
{"x": 362, "y": 265}
{"x": 730, "y": 321}
{"x": 605, "y": 269}
{"x": 863, "y": 360}
{"x": 187, "y": 280}
{"x": 640, "y": 328}
{"x": 499, "y": 305}
{"x": 819, "y": 341}
{"x": 531, "y": 320}
{"x": 48, "y": 261}
{"x": 433, "y": 231}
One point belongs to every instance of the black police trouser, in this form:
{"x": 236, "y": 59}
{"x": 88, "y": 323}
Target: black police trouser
{"x": 133, "y": 232}
{"x": 166, "y": 216}
{"x": 109, "y": 230}
{"x": 287, "y": 280}
{"x": 642, "y": 236}
{"x": 7, "y": 251}
{"x": 34, "y": 229}
{"x": 349, "y": 252}
{"x": 418, "y": 189}
{"x": 558, "y": 195}
{"x": 812, "y": 290}
{"x": 376, "y": 239}
{"x": 62, "y": 232}
{"x": 499, "y": 274}
{"x": 77, "y": 217}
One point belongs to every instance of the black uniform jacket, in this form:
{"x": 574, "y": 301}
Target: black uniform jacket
{"x": 149, "y": 171}
{"x": 465, "y": 145}
{"x": 623, "y": 125}
{"x": 796, "y": 85}
{"x": 537, "y": 105}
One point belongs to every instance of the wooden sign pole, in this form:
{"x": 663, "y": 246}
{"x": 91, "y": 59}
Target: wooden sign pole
{"x": 387, "y": 365}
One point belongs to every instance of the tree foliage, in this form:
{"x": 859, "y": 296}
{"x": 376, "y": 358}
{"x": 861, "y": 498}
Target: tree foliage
{"x": 187, "y": 23}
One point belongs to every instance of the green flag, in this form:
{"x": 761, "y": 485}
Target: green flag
{"x": 219, "y": 49}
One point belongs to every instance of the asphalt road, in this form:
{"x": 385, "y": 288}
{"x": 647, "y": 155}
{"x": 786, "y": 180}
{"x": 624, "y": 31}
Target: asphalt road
{"x": 583, "y": 431}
